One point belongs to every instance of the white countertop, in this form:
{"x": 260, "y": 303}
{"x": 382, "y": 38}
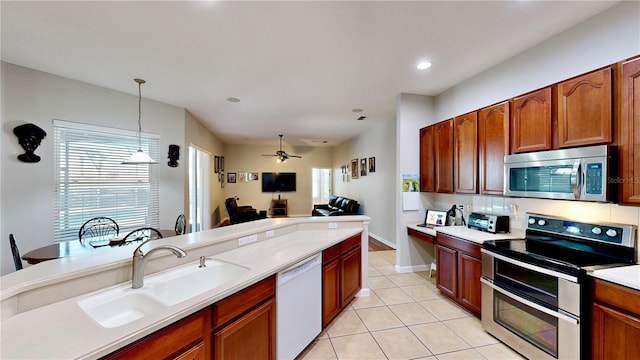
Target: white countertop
{"x": 62, "y": 330}
{"x": 465, "y": 233}
{"x": 624, "y": 275}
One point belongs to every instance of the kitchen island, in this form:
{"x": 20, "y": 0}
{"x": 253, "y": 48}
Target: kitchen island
{"x": 40, "y": 303}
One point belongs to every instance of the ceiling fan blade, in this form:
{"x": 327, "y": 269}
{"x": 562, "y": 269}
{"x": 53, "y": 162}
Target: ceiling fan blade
{"x": 295, "y": 156}
{"x": 269, "y": 155}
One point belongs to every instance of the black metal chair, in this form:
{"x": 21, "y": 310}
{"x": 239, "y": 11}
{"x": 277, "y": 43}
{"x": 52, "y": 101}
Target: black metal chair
{"x": 98, "y": 229}
{"x": 180, "y": 225}
{"x": 141, "y": 234}
{"x": 16, "y": 254}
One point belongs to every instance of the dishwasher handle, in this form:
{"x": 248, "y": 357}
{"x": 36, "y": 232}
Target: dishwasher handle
{"x": 298, "y": 269}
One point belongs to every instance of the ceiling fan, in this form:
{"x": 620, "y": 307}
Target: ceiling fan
{"x": 281, "y": 155}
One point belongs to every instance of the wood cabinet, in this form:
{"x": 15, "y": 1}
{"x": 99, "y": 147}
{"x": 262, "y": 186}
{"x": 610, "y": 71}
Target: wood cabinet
{"x": 427, "y": 160}
{"x": 341, "y": 276}
{"x": 459, "y": 267}
{"x": 279, "y": 208}
{"x": 465, "y": 135}
{"x": 616, "y": 321}
{"x": 244, "y": 323}
{"x": 531, "y": 122}
{"x": 584, "y": 110}
{"x": 185, "y": 339}
{"x": 629, "y": 144}
{"x": 493, "y": 144}
{"x": 443, "y": 153}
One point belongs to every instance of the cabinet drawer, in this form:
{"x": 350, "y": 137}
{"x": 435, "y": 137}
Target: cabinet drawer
{"x": 242, "y": 301}
{"x": 330, "y": 254}
{"x": 617, "y": 296}
{"x": 468, "y": 247}
{"x": 350, "y": 243}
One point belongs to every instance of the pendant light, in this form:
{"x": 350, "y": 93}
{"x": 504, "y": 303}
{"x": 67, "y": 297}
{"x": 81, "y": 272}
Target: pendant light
{"x": 139, "y": 157}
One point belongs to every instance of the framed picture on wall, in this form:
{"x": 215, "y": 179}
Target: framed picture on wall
{"x": 221, "y": 163}
{"x": 363, "y": 167}
{"x": 372, "y": 164}
{"x": 221, "y": 178}
{"x": 231, "y": 178}
{"x": 354, "y": 168}
{"x": 216, "y": 164}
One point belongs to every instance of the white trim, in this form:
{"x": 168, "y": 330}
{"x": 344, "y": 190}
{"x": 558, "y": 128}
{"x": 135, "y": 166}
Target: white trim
{"x": 363, "y": 292}
{"x": 104, "y": 129}
{"x": 383, "y": 240}
{"x": 414, "y": 268}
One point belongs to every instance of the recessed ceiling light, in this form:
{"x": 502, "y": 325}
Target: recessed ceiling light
{"x": 233, "y": 100}
{"x": 356, "y": 110}
{"x": 423, "y": 65}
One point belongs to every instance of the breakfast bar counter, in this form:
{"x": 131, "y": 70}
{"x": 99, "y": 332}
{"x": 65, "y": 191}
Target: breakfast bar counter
{"x": 41, "y": 316}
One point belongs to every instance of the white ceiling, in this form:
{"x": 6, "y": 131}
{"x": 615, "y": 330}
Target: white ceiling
{"x": 299, "y": 68}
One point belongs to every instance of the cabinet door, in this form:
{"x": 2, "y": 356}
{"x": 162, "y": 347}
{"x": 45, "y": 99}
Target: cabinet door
{"x": 427, "y": 160}
{"x": 585, "y": 109}
{"x": 493, "y": 140}
{"x": 197, "y": 352}
{"x": 330, "y": 291}
{"x": 350, "y": 271}
{"x": 443, "y": 141}
{"x": 531, "y": 121}
{"x": 629, "y": 146}
{"x": 614, "y": 334}
{"x": 250, "y": 337}
{"x": 469, "y": 272}
{"x": 465, "y": 137}
{"x": 446, "y": 276}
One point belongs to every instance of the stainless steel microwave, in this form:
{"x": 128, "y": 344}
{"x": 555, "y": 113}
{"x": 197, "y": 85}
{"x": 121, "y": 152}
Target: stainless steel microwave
{"x": 568, "y": 174}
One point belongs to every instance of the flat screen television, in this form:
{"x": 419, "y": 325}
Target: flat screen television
{"x": 278, "y": 182}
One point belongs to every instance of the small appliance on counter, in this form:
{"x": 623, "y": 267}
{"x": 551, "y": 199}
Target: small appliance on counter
{"x": 489, "y": 223}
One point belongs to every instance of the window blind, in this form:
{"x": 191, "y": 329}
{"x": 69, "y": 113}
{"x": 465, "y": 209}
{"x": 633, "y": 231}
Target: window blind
{"x": 90, "y": 180}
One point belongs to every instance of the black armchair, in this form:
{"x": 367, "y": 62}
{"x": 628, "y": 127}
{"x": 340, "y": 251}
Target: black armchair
{"x": 239, "y": 214}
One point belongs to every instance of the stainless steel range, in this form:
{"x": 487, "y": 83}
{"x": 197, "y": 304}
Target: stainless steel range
{"x": 535, "y": 291}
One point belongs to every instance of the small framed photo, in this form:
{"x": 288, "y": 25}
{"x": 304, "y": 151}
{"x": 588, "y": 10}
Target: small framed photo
{"x": 231, "y": 178}
{"x": 221, "y": 165}
{"x": 242, "y": 177}
{"x": 354, "y": 168}
{"x": 216, "y": 164}
{"x": 372, "y": 164}
{"x": 221, "y": 179}
{"x": 363, "y": 167}
{"x": 253, "y": 176}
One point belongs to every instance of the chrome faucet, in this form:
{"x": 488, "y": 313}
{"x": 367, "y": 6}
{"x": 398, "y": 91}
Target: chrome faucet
{"x": 140, "y": 259}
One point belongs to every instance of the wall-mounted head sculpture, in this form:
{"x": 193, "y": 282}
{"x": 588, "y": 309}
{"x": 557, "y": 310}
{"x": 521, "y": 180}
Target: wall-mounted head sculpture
{"x": 29, "y": 137}
{"x": 174, "y": 155}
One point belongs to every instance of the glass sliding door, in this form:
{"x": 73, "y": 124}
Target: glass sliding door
{"x": 321, "y": 185}
{"x": 199, "y": 170}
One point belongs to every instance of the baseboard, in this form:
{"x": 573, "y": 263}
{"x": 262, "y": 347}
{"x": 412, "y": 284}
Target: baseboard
{"x": 363, "y": 292}
{"x": 415, "y": 268}
{"x": 382, "y": 240}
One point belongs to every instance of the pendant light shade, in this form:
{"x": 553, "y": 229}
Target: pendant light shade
{"x": 139, "y": 157}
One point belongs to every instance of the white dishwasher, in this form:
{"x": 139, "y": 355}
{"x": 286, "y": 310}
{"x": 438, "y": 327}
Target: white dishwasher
{"x": 298, "y": 307}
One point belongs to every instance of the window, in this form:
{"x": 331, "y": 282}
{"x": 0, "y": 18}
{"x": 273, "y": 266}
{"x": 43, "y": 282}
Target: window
{"x": 90, "y": 180}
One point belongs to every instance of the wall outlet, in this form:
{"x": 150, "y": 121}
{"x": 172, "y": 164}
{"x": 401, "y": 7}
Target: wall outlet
{"x": 512, "y": 209}
{"x": 269, "y": 233}
{"x": 247, "y": 239}
{"x": 469, "y": 208}
{"x": 333, "y": 225}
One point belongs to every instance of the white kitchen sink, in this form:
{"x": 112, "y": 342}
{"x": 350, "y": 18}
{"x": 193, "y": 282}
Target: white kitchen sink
{"x": 122, "y": 305}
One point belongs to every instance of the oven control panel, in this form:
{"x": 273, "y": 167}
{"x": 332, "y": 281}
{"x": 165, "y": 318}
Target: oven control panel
{"x": 620, "y": 234}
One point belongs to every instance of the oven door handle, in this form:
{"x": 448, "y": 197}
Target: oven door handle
{"x": 530, "y": 266}
{"x": 522, "y": 300}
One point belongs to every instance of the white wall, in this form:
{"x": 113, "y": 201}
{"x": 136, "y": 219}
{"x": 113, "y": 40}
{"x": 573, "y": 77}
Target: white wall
{"x": 413, "y": 113}
{"x": 30, "y": 96}
{"x": 375, "y": 191}
{"x": 248, "y": 158}
{"x": 604, "y": 39}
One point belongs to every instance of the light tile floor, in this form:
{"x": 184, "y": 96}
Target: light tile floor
{"x": 405, "y": 317}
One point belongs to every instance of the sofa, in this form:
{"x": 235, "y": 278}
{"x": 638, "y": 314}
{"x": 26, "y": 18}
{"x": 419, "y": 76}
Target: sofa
{"x": 240, "y": 214}
{"x": 337, "y": 206}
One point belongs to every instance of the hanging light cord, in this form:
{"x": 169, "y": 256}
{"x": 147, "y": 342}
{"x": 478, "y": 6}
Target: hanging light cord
{"x": 140, "y": 82}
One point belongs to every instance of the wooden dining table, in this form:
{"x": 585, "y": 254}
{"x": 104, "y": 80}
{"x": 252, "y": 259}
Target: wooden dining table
{"x": 69, "y": 248}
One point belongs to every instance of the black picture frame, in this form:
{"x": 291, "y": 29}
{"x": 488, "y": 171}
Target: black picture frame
{"x": 221, "y": 163}
{"x": 231, "y": 178}
{"x": 216, "y": 164}
{"x": 372, "y": 164}
{"x": 363, "y": 167}
{"x": 354, "y": 168}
